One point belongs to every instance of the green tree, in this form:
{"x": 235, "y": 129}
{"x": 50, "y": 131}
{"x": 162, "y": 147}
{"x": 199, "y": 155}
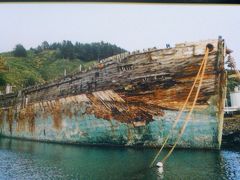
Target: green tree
{"x": 84, "y": 52}
{"x": 95, "y": 51}
{"x": 67, "y": 50}
{"x": 19, "y": 51}
{"x": 2, "y": 80}
{"x": 55, "y": 46}
{"x": 45, "y": 45}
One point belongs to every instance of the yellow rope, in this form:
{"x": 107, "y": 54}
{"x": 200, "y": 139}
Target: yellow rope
{"x": 180, "y": 113}
{"x": 190, "y": 113}
{"x": 203, "y": 66}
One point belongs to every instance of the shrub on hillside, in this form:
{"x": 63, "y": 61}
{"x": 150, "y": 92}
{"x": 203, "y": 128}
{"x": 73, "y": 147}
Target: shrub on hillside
{"x": 2, "y": 80}
{"x": 30, "y": 81}
{"x": 19, "y": 51}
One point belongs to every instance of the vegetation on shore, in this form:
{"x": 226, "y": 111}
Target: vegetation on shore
{"x": 22, "y": 68}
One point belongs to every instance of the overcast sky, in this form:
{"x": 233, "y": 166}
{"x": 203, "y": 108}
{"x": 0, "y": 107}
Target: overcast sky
{"x": 131, "y": 26}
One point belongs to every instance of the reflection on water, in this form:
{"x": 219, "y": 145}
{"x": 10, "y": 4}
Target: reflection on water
{"x": 33, "y": 160}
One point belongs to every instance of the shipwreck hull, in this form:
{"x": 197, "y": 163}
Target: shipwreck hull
{"x": 83, "y": 128}
{"x": 129, "y": 100}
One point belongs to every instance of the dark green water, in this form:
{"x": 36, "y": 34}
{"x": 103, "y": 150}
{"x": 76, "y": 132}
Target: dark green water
{"x": 33, "y": 160}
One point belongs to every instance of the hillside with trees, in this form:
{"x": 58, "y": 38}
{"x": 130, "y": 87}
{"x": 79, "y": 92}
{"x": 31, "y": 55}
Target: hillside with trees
{"x": 49, "y": 61}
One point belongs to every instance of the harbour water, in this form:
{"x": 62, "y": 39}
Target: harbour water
{"x": 36, "y": 160}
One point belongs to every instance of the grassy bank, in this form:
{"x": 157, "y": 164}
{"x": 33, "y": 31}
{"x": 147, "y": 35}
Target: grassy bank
{"x": 37, "y": 68}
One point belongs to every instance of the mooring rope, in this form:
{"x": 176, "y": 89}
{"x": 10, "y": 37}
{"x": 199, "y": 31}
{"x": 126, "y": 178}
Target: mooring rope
{"x": 179, "y": 114}
{"x": 202, "y": 68}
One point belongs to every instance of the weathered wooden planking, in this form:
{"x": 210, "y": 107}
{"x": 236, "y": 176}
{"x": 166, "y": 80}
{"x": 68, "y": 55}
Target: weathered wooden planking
{"x": 168, "y": 73}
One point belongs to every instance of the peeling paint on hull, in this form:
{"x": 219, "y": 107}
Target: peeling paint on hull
{"x": 87, "y": 129}
{"x": 71, "y": 121}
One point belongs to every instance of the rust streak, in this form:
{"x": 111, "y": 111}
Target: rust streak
{"x": 57, "y": 115}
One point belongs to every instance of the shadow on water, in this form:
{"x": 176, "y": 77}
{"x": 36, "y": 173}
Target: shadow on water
{"x": 33, "y": 160}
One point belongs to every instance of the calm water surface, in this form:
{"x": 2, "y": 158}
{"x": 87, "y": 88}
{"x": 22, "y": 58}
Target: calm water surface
{"x": 33, "y": 160}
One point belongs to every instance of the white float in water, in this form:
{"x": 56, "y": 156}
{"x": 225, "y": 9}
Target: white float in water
{"x": 159, "y": 164}
{"x": 160, "y": 167}
{"x": 160, "y": 170}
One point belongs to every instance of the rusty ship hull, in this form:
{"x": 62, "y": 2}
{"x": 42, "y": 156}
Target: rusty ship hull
{"x": 131, "y": 99}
